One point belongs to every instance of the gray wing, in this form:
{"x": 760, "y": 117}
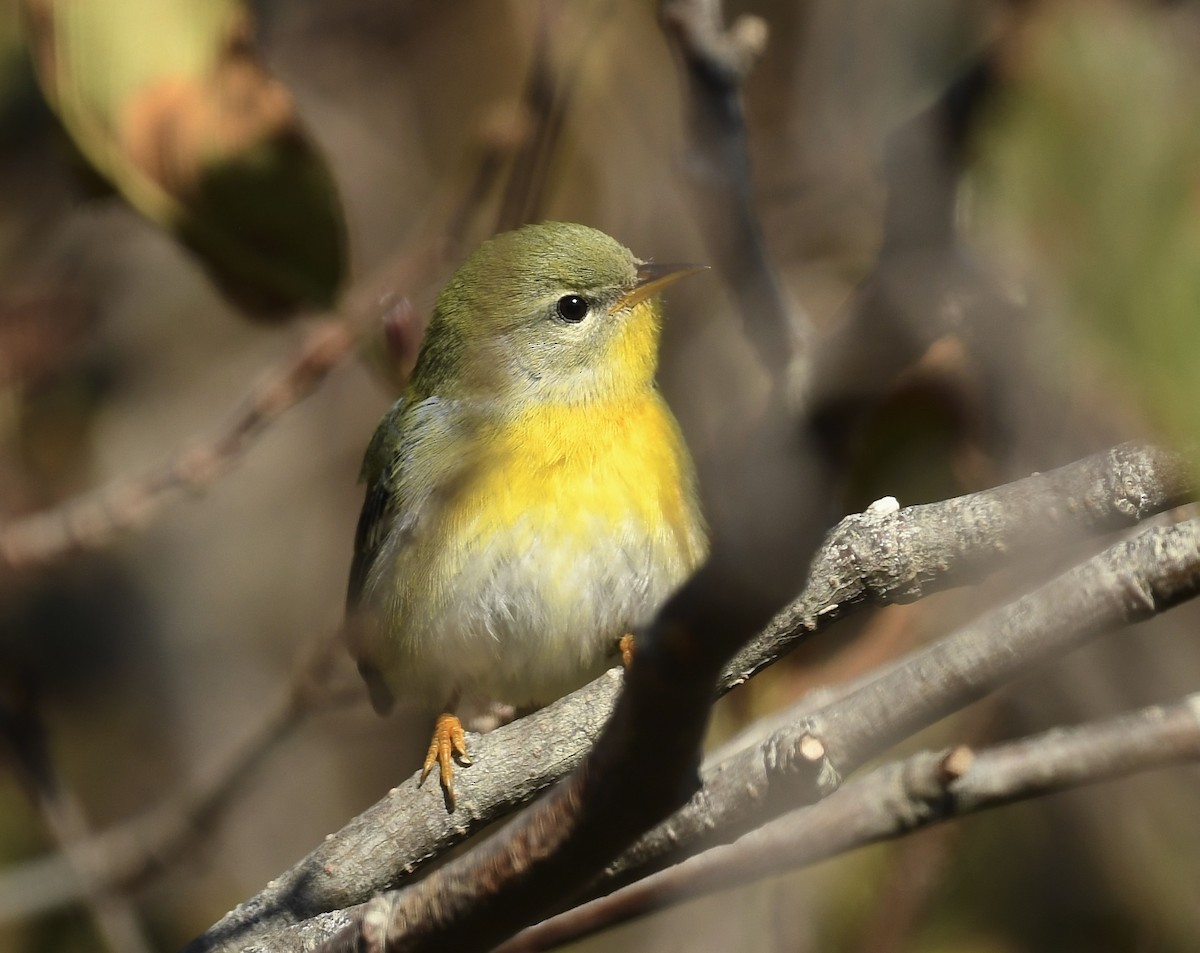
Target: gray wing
{"x": 379, "y": 511}
{"x": 400, "y": 488}
{"x": 379, "y": 508}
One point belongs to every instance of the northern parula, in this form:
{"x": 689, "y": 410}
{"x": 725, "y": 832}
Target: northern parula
{"x": 530, "y": 500}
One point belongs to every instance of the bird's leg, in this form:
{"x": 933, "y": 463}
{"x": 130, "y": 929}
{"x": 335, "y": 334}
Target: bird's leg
{"x": 625, "y": 646}
{"x": 449, "y": 741}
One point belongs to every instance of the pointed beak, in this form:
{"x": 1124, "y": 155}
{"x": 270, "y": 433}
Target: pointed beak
{"x": 653, "y": 278}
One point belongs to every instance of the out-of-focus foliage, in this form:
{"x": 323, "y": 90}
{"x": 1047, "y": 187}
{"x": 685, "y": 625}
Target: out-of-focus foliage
{"x": 168, "y": 100}
{"x": 1092, "y": 175}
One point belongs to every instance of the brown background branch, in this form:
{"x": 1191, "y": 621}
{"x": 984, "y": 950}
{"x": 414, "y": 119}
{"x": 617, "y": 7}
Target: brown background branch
{"x": 94, "y": 519}
{"x": 715, "y": 62}
{"x": 124, "y": 856}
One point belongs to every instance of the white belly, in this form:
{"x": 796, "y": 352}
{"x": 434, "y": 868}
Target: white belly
{"x": 526, "y": 624}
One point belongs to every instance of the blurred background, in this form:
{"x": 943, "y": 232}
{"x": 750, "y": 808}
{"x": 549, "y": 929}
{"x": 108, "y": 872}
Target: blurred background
{"x": 985, "y": 220}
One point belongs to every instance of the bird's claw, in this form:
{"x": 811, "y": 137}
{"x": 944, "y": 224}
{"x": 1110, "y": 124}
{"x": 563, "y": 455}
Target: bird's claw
{"x": 625, "y": 645}
{"x": 448, "y": 743}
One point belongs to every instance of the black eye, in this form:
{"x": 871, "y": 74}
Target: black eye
{"x": 572, "y": 308}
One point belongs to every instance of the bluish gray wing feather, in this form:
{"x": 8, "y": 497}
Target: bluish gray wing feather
{"x": 391, "y": 509}
{"x": 373, "y": 524}
{"x": 379, "y": 505}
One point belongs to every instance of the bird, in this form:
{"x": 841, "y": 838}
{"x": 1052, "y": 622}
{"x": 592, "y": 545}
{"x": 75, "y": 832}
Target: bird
{"x": 530, "y": 500}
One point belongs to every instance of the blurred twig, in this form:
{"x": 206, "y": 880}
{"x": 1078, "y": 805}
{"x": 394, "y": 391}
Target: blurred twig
{"x": 919, "y": 550}
{"x": 893, "y": 801}
{"x": 123, "y": 857}
{"x": 716, "y": 62}
{"x": 96, "y": 518}
{"x": 544, "y": 99}
{"x": 114, "y": 914}
{"x": 23, "y": 738}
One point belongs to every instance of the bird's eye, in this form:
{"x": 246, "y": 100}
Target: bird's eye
{"x": 572, "y": 308}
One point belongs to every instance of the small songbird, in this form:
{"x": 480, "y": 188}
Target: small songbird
{"x": 530, "y": 500}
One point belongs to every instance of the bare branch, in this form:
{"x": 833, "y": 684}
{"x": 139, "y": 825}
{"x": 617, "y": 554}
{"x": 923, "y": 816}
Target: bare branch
{"x": 409, "y": 827}
{"x": 715, "y": 62}
{"x": 23, "y": 739}
{"x": 1129, "y": 582}
{"x": 126, "y": 855}
{"x": 623, "y": 787}
{"x": 399, "y": 835}
{"x": 545, "y": 99}
{"x": 886, "y": 555}
{"x": 894, "y": 801}
{"x": 96, "y": 518}
{"x": 825, "y": 741}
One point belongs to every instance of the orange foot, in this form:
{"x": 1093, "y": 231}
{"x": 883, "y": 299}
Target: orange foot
{"x": 625, "y": 644}
{"x": 448, "y": 742}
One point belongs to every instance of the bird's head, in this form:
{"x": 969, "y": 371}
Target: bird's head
{"x": 553, "y": 312}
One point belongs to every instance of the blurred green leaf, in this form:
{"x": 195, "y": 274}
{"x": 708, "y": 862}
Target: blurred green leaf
{"x": 168, "y": 100}
{"x": 1092, "y": 171}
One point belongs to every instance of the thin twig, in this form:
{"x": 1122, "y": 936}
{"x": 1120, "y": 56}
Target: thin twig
{"x": 894, "y": 801}
{"x": 715, "y": 63}
{"x": 953, "y": 542}
{"x": 23, "y": 737}
{"x": 97, "y": 517}
{"x": 94, "y": 519}
{"x": 124, "y": 856}
{"x": 824, "y": 740}
{"x": 544, "y": 99}
{"x": 114, "y": 914}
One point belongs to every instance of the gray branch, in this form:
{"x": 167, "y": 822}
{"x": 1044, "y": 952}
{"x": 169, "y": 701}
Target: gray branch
{"x": 893, "y": 801}
{"x": 822, "y": 743}
{"x": 622, "y": 788}
{"x": 876, "y": 556}
{"x": 897, "y": 557}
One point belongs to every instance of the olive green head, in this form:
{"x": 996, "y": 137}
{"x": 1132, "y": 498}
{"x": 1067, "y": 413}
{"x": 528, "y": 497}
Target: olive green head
{"x": 556, "y": 312}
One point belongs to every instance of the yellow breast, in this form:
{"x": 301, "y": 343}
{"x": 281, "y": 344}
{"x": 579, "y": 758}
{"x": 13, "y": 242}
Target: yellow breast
{"x": 587, "y": 469}
{"x": 575, "y": 524}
